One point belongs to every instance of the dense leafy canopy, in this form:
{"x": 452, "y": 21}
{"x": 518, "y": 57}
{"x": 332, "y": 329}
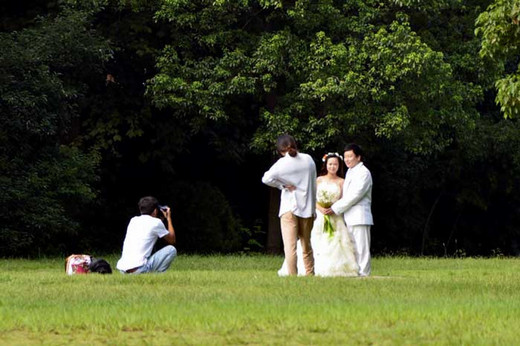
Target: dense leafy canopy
{"x": 46, "y": 177}
{"x": 499, "y": 27}
{"x": 323, "y": 71}
{"x": 105, "y": 101}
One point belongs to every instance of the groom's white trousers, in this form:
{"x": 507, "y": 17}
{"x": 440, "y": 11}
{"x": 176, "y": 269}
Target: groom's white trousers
{"x": 360, "y": 235}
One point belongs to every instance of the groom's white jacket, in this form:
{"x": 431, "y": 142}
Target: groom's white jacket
{"x": 355, "y": 204}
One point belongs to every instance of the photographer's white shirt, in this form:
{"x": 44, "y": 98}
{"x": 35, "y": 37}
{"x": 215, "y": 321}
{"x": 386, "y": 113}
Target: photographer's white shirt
{"x": 141, "y": 235}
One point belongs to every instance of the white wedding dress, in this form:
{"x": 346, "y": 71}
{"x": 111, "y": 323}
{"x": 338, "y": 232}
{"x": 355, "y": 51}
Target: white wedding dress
{"x": 333, "y": 253}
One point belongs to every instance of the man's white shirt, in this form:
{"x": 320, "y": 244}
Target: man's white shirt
{"x": 299, "y": 171}
{"x": 141, "y": 235}
{"x": 355, "y": 203}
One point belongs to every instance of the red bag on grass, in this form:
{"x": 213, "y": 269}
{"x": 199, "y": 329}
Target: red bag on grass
{"x": 77, "y": 264}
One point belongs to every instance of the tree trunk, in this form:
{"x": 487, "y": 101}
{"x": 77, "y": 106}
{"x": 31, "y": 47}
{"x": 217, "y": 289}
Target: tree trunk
{"x": 427, "y": 225}
{"x": 274, "y": 234}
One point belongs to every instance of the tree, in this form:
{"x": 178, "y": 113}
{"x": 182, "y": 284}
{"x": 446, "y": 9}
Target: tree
{"x": 46, "y": 176}
{"x": 322, "y": 71}
{"x": 499, "y": 28}
{"x": 403, "y": 78}
{"x": 325, "y": 72}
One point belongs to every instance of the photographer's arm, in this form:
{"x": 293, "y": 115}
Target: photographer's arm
{"x": 170, "y": 237}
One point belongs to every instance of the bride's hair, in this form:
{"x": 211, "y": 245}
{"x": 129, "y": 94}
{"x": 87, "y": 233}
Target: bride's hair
{"x": 286, "y": 143}
{"x": 341, "y": 166}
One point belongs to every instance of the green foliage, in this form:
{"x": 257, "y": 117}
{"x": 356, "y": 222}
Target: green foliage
{"x": 46, "y": 178}
{"x": 402, "y": 78}
{"x": 321, "y": 71}
{"x": 202, "y": 217}
{"x": 39, "y": 200}
{"x": 116, "y": 117}
{"x": 499, "y": 28}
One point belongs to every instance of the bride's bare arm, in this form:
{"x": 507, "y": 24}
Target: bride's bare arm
{"x": 318, "y": 207}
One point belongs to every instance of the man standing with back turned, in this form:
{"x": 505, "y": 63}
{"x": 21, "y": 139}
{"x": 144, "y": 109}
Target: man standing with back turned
{"x": 141, "y": 235}
{"x": 295, "y": 174}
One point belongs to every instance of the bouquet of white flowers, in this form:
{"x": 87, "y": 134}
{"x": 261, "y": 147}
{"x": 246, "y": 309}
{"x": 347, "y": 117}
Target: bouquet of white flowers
{"x": 325, "y": 198}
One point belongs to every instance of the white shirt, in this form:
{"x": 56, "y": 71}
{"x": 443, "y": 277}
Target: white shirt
{"x": 299, "y": 171}
{"x": 141, "y": 235}
{"x": 355, "y": 204}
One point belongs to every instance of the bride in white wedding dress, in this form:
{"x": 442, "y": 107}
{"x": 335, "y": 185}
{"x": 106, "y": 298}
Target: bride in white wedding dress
{"x": 331, "y": 243}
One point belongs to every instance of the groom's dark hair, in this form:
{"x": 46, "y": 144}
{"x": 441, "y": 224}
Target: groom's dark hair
{"x": 355, "y": 148}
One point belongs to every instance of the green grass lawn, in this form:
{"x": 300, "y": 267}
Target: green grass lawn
{"x": 240, "y": 300}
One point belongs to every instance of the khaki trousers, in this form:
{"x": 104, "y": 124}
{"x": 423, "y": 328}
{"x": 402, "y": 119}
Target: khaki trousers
{"x": 294, "y": 227}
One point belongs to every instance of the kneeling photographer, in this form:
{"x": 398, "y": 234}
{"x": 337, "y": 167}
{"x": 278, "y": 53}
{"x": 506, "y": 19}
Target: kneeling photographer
{"x": 142, "y": 234}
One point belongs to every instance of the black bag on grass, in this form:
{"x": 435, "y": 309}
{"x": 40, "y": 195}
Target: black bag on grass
{"x": 99, "y": 265}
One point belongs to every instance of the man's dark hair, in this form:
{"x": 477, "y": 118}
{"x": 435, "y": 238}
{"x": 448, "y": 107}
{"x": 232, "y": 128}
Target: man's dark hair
{"x": 286, "y": 143}
{"x": 147, "y": 205}
{"x": 355, "y": 148}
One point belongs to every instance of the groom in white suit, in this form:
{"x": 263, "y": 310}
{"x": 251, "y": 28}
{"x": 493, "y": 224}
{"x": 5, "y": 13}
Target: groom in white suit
{"x": 355, "y": 205}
